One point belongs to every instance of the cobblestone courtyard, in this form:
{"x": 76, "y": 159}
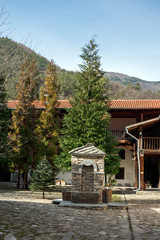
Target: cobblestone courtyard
{"x": 28, "y": 217}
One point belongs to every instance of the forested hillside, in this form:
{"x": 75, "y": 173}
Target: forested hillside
{"x": 11, "y": 56}
{"x": 125, "y": 80}
{"x": 120, "y": 86}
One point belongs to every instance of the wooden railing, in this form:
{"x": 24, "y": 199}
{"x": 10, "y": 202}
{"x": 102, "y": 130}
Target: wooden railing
{"x": 151, "y": 143}
{"x": 117, "y": 134}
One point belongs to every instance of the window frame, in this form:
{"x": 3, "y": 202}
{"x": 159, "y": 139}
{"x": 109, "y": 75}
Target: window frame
{"x": 122, "y": 155}
{"x": 120, "y": 173}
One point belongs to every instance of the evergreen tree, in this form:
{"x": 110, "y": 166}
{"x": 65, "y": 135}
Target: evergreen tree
{"x": 48, "y": 127}
{"x": 88, "y": 120}
{"x": 42, "y": 177}
{"x": 138, "y": 87}
{"x": 22, "y": 137}
{"x": 4, "y": 127}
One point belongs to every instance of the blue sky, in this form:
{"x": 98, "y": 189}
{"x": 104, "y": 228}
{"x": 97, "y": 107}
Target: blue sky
{"x": 127, "y": 31}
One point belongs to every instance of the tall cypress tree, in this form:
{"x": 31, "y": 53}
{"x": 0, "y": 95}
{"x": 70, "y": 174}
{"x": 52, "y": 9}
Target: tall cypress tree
{"x": 88, "y": 120}
{"x": 22, "y": 135}
{"x": 4, "y": 127}
{"x": 48, "y": 127}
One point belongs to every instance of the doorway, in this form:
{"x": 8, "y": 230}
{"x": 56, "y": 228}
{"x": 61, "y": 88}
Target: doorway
{"x": 151, "y": 174}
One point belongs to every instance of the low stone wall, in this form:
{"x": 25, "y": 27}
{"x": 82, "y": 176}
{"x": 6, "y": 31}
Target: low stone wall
{"x": 60, "y": 188}
{"x": 85, "y": 197}
{"x": 88, "y": 197}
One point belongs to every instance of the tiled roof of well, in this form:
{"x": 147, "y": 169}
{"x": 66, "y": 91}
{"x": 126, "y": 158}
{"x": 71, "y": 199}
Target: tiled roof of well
{"x": 88, "y": 149}
{"x": 115, "y": 104}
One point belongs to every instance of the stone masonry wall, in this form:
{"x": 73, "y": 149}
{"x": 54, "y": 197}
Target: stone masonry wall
{"x": 95, "y": 179}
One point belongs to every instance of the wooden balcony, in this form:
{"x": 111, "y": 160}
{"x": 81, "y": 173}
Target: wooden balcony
{"x": 151, "y": 144}
{"x": 117, "y": 134}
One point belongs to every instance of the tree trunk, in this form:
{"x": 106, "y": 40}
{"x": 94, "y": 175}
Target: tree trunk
{"x": 18, "y": 179}
{"x": 25, "y": 180}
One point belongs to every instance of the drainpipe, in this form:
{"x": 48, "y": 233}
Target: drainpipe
{"x": 139, "y": 179}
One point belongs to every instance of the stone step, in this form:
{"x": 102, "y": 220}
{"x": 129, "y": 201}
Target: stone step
{"x": 103, "y": 206}
{"x": 118, "y": 205}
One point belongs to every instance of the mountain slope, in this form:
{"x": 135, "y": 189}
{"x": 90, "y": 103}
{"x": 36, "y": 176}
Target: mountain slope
{"x": 11, "y": 56}
{"x": 125, "y": 80}
{"x": 119, "y": 86}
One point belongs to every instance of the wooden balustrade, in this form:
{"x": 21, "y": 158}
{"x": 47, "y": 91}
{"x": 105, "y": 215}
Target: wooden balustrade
{"x": 151, "y": 143}
{"x": 117, "y": 134}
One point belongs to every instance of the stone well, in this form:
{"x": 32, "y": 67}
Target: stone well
{"x": 87, "y": 168}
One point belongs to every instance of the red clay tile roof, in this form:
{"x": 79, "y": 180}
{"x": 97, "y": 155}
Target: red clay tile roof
{"x": 61, "y": 104}
{"x": 12, "y": 104}
{"x": 136, "y": 104}
{"x": 115, "y": 104}
{"x": 64, "y": 104}
{"x": 38, "y": 104}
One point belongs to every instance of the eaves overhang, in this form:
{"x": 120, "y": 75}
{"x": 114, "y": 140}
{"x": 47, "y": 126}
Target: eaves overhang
{"x": 145, "y": 124}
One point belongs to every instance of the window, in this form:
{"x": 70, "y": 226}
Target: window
{"x": 120, "y": 174}
{"x": 122, "y": 153}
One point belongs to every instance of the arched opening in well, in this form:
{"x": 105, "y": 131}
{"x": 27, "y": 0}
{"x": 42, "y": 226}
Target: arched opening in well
{"x": 87, "y": 178}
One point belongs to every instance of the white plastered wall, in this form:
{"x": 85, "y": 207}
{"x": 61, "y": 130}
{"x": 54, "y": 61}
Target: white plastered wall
{"x": 129, "y": 168}
{"x": 65, "y": 176}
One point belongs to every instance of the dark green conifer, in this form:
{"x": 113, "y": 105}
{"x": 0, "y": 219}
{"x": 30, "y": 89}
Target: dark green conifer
{"x": 88, "y": 120}
{"x": 42, "y": 177}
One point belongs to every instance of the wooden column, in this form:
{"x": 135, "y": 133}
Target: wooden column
{"x": 141, "y": 153}
{"x": 140, "y": 138}
{"x": 142, "y": 170}
{"x": 159, "y": 172}
{"x": 136, "y": 174}
{"x": 141, "y": 117}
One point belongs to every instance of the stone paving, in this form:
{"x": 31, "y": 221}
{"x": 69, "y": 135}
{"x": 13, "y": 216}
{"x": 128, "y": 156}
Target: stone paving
{"x": 144, "y": 212}
{"x": 28, "y": 217}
